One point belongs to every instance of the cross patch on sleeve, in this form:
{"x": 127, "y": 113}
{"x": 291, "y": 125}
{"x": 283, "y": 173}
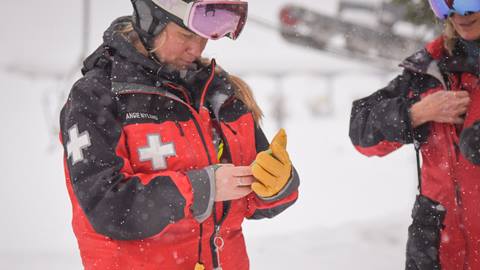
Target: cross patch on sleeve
{"x": 77, "y": 144}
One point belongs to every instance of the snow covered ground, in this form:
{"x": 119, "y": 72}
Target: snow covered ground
{"x": 352, "y": 212}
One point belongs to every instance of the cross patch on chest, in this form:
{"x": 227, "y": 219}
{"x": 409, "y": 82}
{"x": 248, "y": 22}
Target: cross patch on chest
{"x": 76, "y": 144}
{"x": 156, "y": 152}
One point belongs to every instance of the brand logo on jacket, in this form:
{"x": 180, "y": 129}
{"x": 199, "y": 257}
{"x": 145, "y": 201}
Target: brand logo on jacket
{"x": 139, "y": 115}
{"x": 77, "y": 144}
{"x": 156, "y": 152}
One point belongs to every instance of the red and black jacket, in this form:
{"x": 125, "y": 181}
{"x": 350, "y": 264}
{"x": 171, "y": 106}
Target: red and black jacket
{"x": 139, "y": 150}
{"x": 380, "y": 124}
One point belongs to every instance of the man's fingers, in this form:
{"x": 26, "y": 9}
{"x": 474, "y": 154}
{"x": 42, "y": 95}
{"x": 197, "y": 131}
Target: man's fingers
{"x": 456, "y": 94}
{"x": 245, "y": 180}
{"x": 461, "y": 94}
{"x": 457, "y": 110}
{"x": 464, "y": 101}
{"x": 240, "y": 171}
{"x": 226, "y": 165}
{"x": 244, "y": 190}
{"x": 239, "y": 192}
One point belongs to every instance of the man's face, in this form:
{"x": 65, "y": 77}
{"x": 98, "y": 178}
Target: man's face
{"x": 178, "y": 47}
{"x": 468, "y": 27}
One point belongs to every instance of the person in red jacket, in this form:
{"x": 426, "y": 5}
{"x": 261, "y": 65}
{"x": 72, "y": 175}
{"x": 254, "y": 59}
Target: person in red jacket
{"x": 435, "y": 104}
{"x": 164, "y": 156}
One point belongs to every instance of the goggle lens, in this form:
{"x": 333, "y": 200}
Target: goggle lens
{"x": 214, "y": 20}
{"x": 445, "y": 8}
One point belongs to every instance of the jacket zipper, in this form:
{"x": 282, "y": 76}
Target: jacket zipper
{"x": 458, "y": 196}
{"x": 216, "y": 240}
{"x": 435, "y": 72}
{"x": 204, "y": 142}
{"x": 215, "y": 235}
{"x": 454, "y": 160}
{"x": 215, "y": 247}
{"x": 226, "y": 205}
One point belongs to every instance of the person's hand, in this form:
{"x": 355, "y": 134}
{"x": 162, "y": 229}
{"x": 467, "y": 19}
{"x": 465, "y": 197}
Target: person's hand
{"x": 272, "y": 168}
{"x": 232, "y": 182}
{"x": 440, "y": 107}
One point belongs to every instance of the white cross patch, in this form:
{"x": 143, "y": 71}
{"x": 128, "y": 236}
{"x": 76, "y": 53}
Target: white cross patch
{"x": 78, "y": 143}
{"x": 156, "y": 152}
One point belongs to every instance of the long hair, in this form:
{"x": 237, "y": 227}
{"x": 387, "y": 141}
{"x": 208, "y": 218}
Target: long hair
{"x": 451, "y": 36}
{"x": 245, "y": 94}
{"x": 242, "y": 90}
{"x": 128, "y": 32}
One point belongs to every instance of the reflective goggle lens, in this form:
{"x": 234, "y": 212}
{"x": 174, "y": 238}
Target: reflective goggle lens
{"x": 444, "y": 8}
{"x": 466, "y": 7}
{"x": 215, "y": 20}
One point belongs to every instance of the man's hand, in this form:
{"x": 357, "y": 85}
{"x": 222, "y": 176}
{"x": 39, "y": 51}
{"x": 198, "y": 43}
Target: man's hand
{"x": 272, "y": 168}
{"x": 232, "y": 182}
{"x": 440, "y": 107}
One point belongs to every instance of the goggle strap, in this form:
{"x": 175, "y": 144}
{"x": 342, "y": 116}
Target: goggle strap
{"x": 177, "y": 8}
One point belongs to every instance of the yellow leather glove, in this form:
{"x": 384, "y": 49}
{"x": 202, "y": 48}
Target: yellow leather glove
{"x": 272, "y": 168}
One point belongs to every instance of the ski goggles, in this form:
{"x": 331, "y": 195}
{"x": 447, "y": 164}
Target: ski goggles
{"x": 445, "y": 8}
{"x": 209, "y": 19}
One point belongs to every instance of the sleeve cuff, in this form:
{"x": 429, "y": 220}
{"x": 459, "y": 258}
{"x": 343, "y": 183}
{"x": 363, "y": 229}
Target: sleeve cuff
{"x": 203, "y": 185}
{"x": 419, "y": 133}
{"x": 291, "y": 186}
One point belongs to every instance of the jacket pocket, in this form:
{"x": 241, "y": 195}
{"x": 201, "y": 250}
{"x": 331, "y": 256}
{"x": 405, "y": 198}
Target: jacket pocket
{"x": 424, "y": 235}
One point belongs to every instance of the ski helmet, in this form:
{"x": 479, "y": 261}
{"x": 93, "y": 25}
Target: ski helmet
{"x": 211, "y": 19}
{"x": 445, "y": 8}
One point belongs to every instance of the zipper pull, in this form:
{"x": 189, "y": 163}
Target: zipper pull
{"x": 218, "y": 242}
{"x": 199, "y": 266}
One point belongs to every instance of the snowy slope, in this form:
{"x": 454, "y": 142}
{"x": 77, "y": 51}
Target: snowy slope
{"x": 352, "y": 210}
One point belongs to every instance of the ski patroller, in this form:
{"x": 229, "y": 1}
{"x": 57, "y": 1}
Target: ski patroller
{"x": 414, "y": 108}
{"x": 160, "y": 151}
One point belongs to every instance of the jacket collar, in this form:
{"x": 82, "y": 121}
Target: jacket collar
{"x": 435, "y": 61}
{"x": 465, "y": 58}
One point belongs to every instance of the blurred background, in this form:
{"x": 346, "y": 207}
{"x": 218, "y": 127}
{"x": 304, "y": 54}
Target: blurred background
{"x": 306, "y": 61}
